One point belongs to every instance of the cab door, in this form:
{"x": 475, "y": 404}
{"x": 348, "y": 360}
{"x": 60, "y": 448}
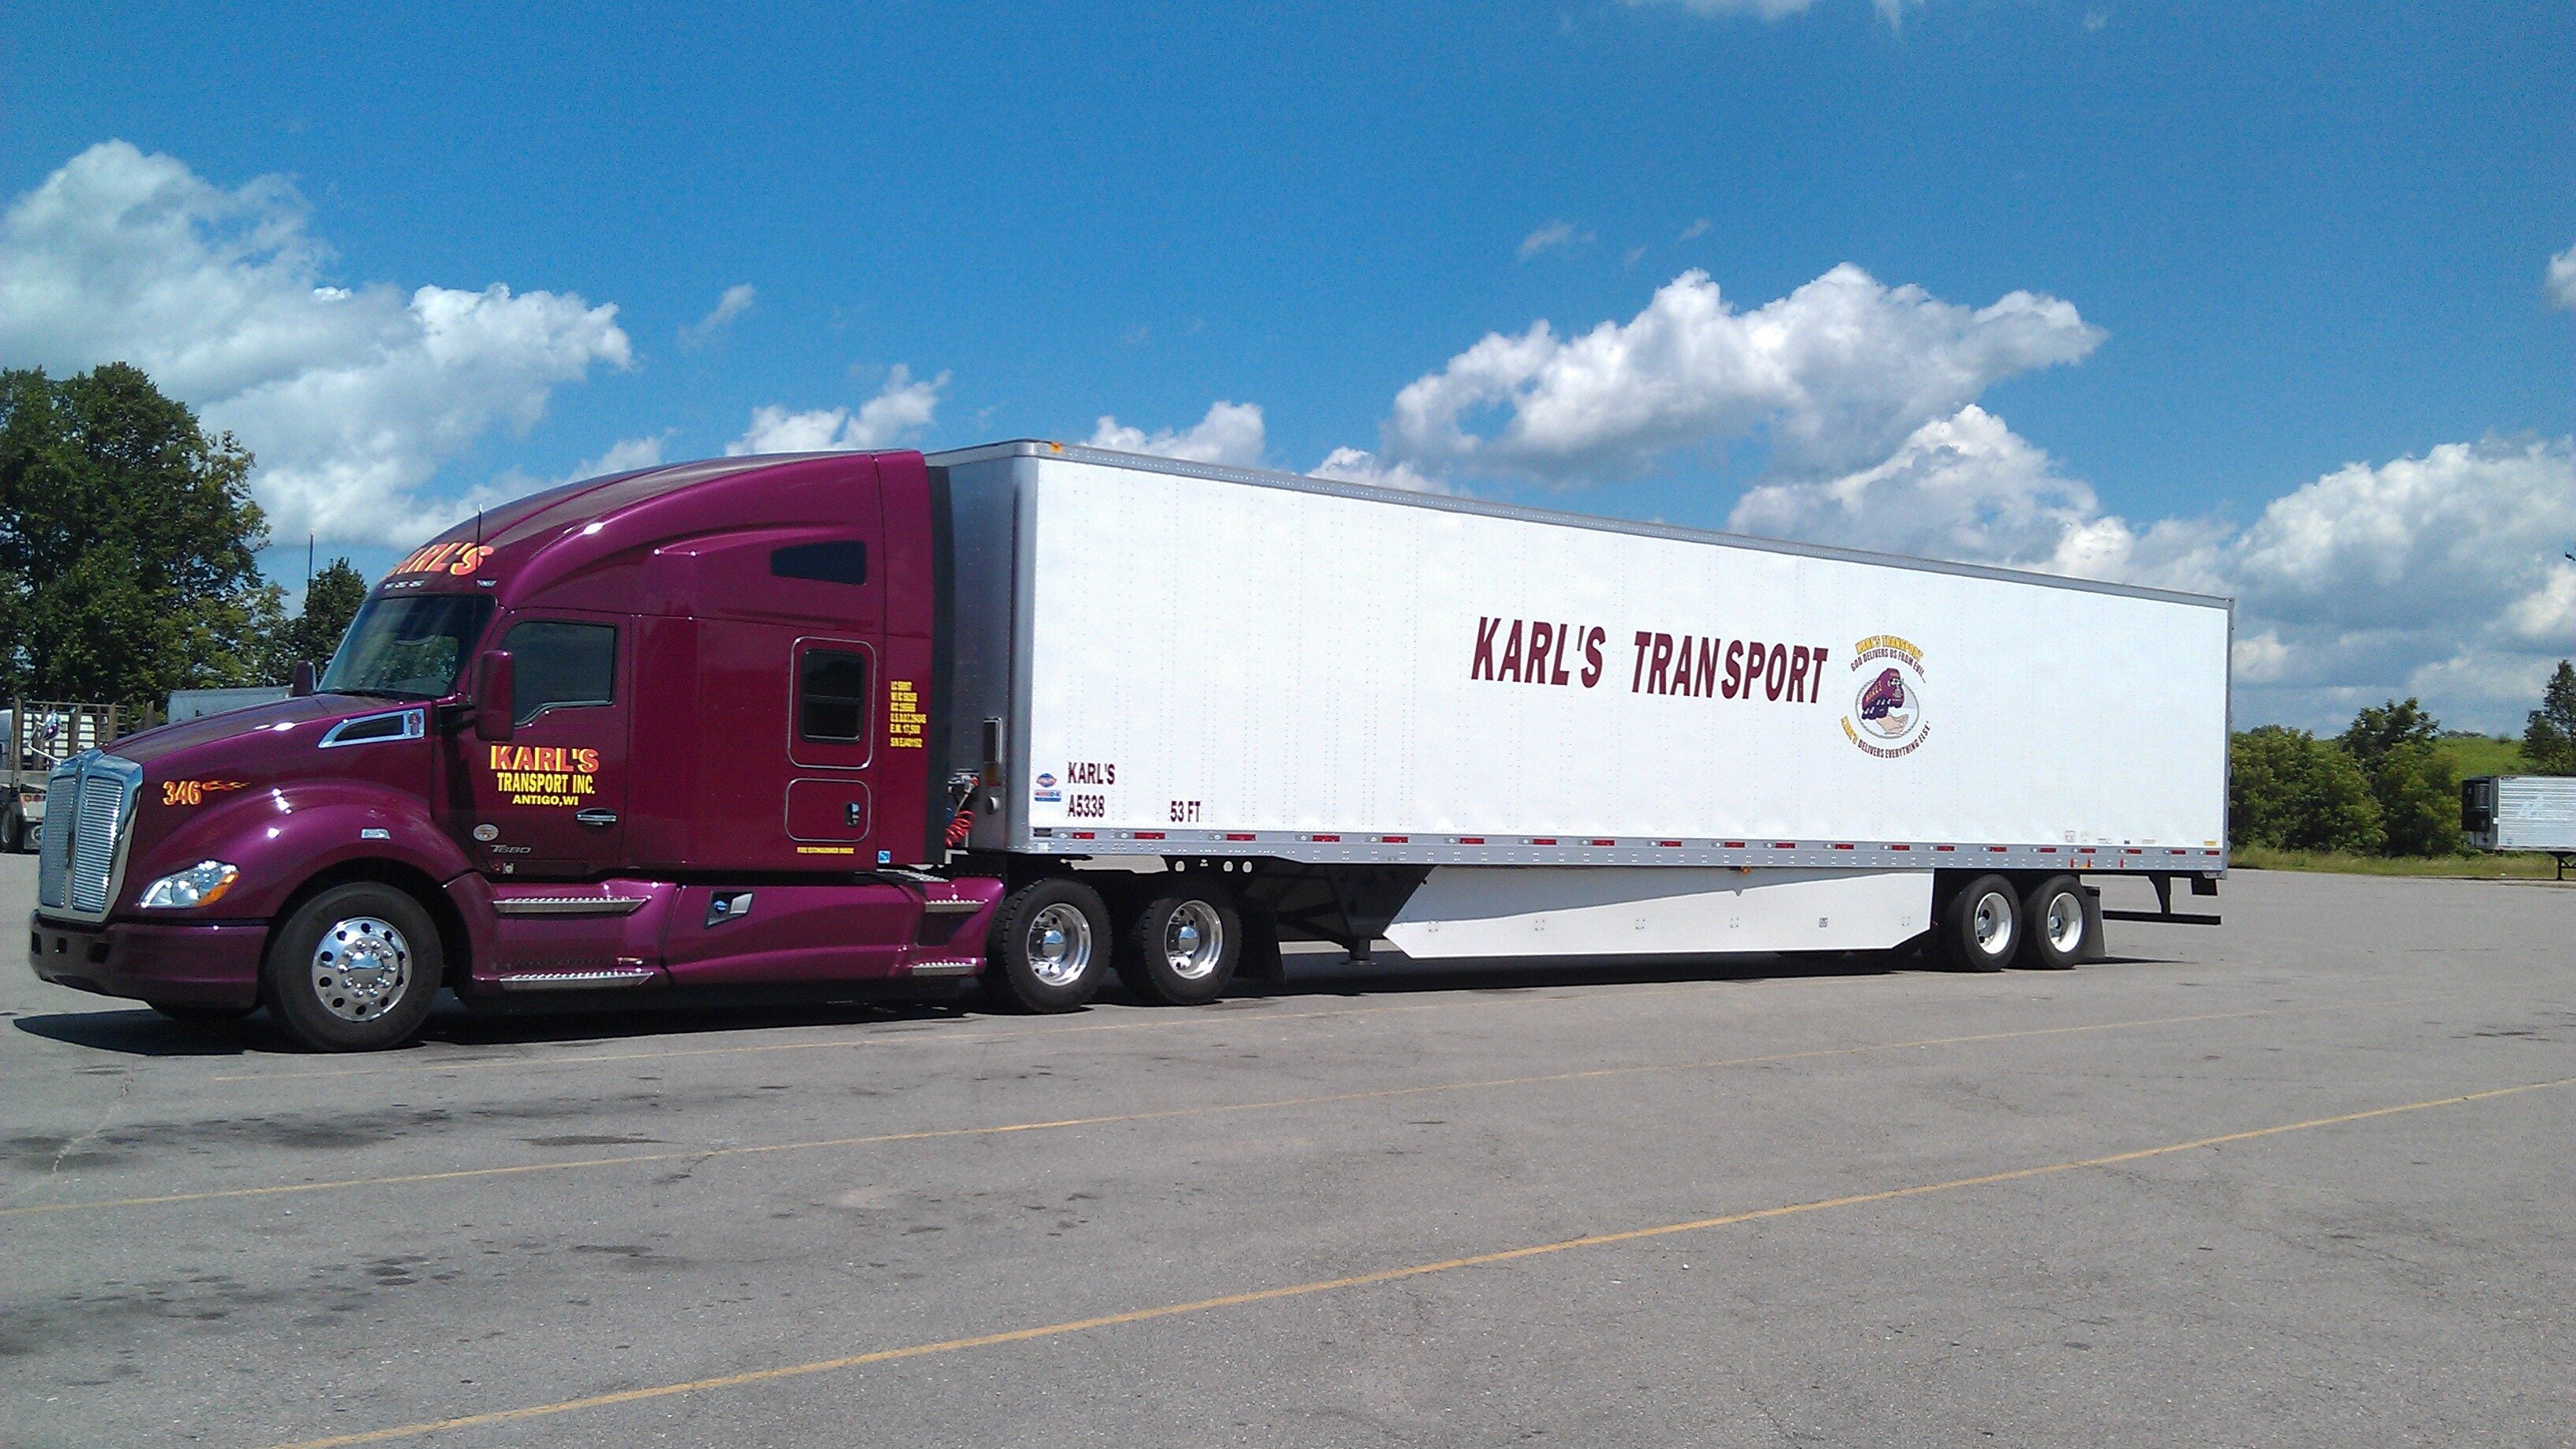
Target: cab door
{"x": 830, "y": 814}
{"x": 550, "y": 801}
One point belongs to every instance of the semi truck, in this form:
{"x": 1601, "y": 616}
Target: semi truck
{"x": 1033, "y": 712}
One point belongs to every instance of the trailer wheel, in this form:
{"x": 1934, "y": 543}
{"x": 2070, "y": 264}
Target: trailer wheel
{"x": 13, "y": 833}
{"x": 1183, "y": 948}
{"x": 355, "y": 969}
{"x": 2056, "y": 927}
{"x": 1981, "y": 925}
{"x": 1049, "y": 947}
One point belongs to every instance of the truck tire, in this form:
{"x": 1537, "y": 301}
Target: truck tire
{"x": 1981, "y": 925}
{"x": 1183, "y": 948}
{"x": 1049, "y": 947}
{"x": 355, "y": 969}
{"x": 2055, "y": 926}
{"x": 13, "y": 832}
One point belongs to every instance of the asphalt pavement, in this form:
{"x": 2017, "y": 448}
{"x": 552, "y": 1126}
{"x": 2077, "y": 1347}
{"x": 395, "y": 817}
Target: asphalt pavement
{"x": 2306, "y": 1178}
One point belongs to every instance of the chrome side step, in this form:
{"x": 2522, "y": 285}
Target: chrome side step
{"x": 951, "y": 908}
{"x": 606, "y": 976}
{"x": 567, "y": 905}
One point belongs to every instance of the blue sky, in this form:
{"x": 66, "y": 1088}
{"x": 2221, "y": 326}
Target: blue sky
{"x": 2278, "y": 241}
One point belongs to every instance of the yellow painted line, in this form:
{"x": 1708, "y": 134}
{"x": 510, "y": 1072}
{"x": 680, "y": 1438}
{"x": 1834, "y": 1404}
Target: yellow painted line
{"x": 1385, "y": 1275}
{"x": 878, "y": 1037}
{"x": 931, "y": 1134}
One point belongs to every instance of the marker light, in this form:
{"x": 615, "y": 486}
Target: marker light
{"x": 201, "y": 884}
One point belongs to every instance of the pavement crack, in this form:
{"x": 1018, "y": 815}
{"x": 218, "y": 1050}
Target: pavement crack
{"x": 115, "y": 1104}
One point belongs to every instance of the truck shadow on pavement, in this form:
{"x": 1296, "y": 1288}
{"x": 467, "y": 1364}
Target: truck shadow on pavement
{"x": 138, "y": 1031}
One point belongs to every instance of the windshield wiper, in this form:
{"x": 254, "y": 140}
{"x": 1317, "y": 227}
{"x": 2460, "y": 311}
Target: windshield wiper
{"x": 376, "y": 693}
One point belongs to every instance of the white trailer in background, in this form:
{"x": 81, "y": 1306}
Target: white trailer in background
{"x": 1480, "y": 730}
{"x": 2521, "y": 812}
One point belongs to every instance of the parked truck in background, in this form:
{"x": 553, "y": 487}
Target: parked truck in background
{"x": 1031, "y": 711}
{"x": 38, "y": 735}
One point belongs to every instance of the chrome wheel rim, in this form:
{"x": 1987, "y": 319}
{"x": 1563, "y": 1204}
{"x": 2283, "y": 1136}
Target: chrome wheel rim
{"x": 1993, "y": 923}
{"x": 361, "y": 967}
{"x": 2065, "y": 923}
{"x": 1059, "y": 945}
{"x": 1193, "y": 940}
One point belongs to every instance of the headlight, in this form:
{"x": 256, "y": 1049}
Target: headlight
{"x": 201, "y": 884}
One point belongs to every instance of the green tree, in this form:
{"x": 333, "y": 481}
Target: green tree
{"x": 2289, "y": 790}
{"x": 2415, "y": 784}
{"x": 330, "y": 602}
{"x": 128, "y": 544}
{"x": 2549, "y": 740}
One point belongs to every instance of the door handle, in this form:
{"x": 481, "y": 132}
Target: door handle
{"x": 597, "y": 819}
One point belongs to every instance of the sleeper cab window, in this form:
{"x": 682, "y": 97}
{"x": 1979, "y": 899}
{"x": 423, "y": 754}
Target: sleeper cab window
{"x": 832, "y": 696}
{"x": 838, "y": 562}
{"x": 559, "y": 664}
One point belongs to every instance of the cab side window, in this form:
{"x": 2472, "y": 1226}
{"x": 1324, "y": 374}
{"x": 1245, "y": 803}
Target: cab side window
{"x": 557, "y": 664}
{"x": 832, "y": 697}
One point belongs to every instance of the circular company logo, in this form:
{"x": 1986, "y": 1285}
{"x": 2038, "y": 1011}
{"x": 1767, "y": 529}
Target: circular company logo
{"x": 1886, "y": 717}
{"x": 487, "y": 832}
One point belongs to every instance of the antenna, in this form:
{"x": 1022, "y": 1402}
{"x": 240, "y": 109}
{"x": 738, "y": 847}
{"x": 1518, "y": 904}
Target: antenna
{"x": 308, "y": 563}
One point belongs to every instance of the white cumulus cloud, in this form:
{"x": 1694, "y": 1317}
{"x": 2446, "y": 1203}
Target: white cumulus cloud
{"x": 737, "y": 299}
{"x": 1961, "y": 487}
{"x": 2561, "y": 279}
{"x": 1231, "y": 433}
{"x": 351, "y": 398}
{"x": 1357, "y": 465}
{"x": 2437, "y": 575}
{"x": 904, "y": 406}
{"x": 1837, "y": 374}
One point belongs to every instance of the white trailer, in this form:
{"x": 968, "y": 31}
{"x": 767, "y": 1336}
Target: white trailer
{"x": 1482, "y": 730}
{"x": 2521, "y": 812}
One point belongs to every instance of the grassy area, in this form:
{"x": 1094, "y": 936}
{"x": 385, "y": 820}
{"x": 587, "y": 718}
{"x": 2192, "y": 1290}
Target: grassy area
{"x": 2474, "y": 755}
{"x": 2486, "y": 865}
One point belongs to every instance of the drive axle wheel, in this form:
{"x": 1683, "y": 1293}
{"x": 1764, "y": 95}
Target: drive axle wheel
{"x": 1049, "y": 947}
{"x": 1981, "y": 927}
{"x": 2054, "y": 925}
{"x": 355, "y": 969}
{"x": 1183, "y": 948}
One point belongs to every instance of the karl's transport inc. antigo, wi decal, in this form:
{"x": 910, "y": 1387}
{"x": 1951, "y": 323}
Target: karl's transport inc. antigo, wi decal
{"x": 545, "y": 774}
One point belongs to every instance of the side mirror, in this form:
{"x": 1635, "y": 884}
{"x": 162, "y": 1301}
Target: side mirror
{"x": 493, "y": 705}
{"x": 303, "y": 683}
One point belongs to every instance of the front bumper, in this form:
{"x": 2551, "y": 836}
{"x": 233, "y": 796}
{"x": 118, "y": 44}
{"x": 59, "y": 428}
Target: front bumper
{"x": 199, "y": 964}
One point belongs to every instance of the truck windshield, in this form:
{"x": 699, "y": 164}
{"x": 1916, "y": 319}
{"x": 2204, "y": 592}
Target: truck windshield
{"x": 407, "y": 648}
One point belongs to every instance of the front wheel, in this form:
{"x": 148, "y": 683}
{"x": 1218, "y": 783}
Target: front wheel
{"x": 1981, "y": 926}
{"x": 13, "y": 833}
{"x": 355, "y": 969}
{"x": 1049, "y": 947}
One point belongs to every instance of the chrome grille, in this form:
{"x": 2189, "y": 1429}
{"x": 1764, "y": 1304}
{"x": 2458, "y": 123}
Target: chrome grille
{"x": 62, "y": 807}
{"x": 85, "y": 844}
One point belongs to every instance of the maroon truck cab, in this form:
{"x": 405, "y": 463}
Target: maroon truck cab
{"x": 662, "y": 729}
